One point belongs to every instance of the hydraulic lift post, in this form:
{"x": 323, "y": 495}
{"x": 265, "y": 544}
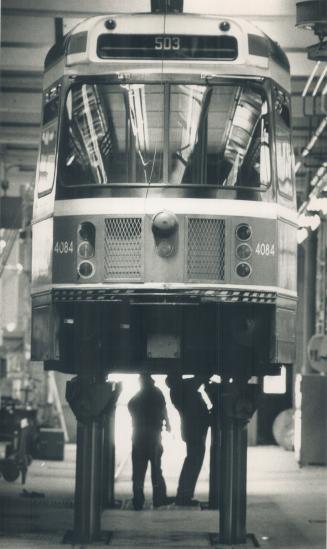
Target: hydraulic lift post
{"x": 91, "y": 398}
{"x": 236, "y": 402}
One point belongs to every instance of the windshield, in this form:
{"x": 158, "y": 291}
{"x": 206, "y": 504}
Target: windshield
{"x": 177, "y": 134}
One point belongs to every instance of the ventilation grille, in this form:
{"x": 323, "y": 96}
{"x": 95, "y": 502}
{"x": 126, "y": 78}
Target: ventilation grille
{"x": 123, "y": 257}
{"x": 206, "y": 249}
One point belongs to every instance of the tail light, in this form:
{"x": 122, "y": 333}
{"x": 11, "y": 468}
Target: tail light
{"x": 86, "y": 269}
{"x": 243, "y": 250}
{"x": 243, "y": 269}
{"x": 243, "y": 232}
{"x": 86, "y": 249}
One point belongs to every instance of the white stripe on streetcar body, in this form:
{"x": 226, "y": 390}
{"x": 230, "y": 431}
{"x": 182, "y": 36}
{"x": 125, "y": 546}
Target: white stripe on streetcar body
{"x": 186, "y": 206}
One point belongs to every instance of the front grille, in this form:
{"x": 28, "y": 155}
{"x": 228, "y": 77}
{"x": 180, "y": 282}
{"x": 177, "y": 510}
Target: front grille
{"x": 206, "y": 249}
{"x": 123, "y": 248}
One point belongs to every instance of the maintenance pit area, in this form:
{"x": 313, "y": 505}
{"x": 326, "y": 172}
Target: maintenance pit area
{"x": 285, "y": 507}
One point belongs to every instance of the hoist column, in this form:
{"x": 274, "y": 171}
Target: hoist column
{"x": 108, "y": 455}
{"x": 238, "y": 403}
{"x": 87, "y": 504}
{"x": 232, "y": 523}
{"x": 90, "y": 399}
{"x": 213, "y": 391}
{"x": 92, "y": 404}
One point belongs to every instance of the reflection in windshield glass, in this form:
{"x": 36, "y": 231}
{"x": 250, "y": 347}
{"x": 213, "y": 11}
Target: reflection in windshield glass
{"x": 186, "y": 108}
{"x": 89, "y": 137}
{"x": 166, "y": 133}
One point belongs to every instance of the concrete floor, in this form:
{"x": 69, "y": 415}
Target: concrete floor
{"x": 286, "y": 507}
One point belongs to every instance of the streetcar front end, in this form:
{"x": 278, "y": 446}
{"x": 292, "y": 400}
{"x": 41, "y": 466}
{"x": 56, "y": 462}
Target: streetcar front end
{"x": 165, "y": 205}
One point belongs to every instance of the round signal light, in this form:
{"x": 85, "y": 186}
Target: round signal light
{"x": 86, "y": 250}
{"x": 243, "y": 269}
{"x": 164, "y": 224}
{"x": 243, "y": 251}
{"x": 86, "y": 269}
{"x": 243, "y": 232}
{"x": 165, "y": 248}
{"x": 87, "y": 231}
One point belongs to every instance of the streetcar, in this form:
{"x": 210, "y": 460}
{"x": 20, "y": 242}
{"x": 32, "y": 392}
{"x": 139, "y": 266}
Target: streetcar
{"x": 165, "y": 203}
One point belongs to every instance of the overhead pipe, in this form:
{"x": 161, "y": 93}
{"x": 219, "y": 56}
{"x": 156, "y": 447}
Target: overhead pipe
{"x": 315, "y": 136}
{"x": 318, "y": 182}
{"x": 320, "y": 80}
{"x": 310, "y": 79}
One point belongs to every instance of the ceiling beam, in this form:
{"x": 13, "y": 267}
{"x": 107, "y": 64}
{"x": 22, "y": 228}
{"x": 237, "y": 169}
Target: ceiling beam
{"x": 252, "y": 9}
{"x": 21, "y": 102}
{"x": 82, "y": 8}
{"x": 20, "y": 118}
{"x": 21, "y": 81}
{"x": 23, "y": 60}
{"x": 72, "y": 8}
{"x": 19, "y": 135}
{"x": 20, "y": 157}
{"x": 34, "y": 30}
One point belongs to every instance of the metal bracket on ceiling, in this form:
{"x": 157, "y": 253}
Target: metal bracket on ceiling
{"x": 313, "y": 16}
{"x": 167, "y": 6}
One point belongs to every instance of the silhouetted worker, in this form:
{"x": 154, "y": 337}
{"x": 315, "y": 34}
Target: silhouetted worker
{"x": 148, "y": 411}
{"x": 194, "y": 416}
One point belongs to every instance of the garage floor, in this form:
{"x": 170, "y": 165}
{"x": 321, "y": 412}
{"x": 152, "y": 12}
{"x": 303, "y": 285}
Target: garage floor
{"x": 286, "y": 507}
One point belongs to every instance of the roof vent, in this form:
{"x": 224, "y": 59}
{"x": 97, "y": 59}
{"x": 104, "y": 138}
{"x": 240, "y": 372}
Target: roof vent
{"x": 167, "y": 6}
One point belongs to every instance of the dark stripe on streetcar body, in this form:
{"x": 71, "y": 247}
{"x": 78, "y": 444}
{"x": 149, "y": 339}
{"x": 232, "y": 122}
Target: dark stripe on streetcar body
{"x": 77, "y": 43}
{"x": 258, "y": 45}
{"x": 70, "y": 44}
{"x": 55, "y": 53}
{"x": 263, "y": 46}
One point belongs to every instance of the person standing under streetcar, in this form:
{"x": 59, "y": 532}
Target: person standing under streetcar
{"x": 148, "y": 410}
{"x": 194, "y": 414}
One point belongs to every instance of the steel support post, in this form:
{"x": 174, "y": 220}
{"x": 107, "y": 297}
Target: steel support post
{"x": 87, "y": 507}
{"x": 236, "y": 402}
{"x": 89, "y": 397}
{"x": 214, "y": 461}
{"x": 233, "y": 460}
{"x": 108, "y": 460}
{"x": 213, "y": 392}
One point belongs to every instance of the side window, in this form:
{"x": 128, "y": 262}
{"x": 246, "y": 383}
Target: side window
{"x": 284, "y": 150}
{"x": 48, "y": 147}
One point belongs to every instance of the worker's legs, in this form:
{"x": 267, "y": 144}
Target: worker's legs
{"x": 139, "y": 462}
{"x": 195, "y": 451}
{"x": 158, "y": 482}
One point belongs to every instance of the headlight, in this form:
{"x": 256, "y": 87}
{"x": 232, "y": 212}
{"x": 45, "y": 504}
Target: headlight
{"x": 86, "y": 269}
{"x": 243, "y": 232}
{"x": 243, "y": 251}
{"x": 86, "y": 231}
{"x": 86, "y": 250}
{"x": 243, "y": 269}
{"x": 165, "y": 248}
